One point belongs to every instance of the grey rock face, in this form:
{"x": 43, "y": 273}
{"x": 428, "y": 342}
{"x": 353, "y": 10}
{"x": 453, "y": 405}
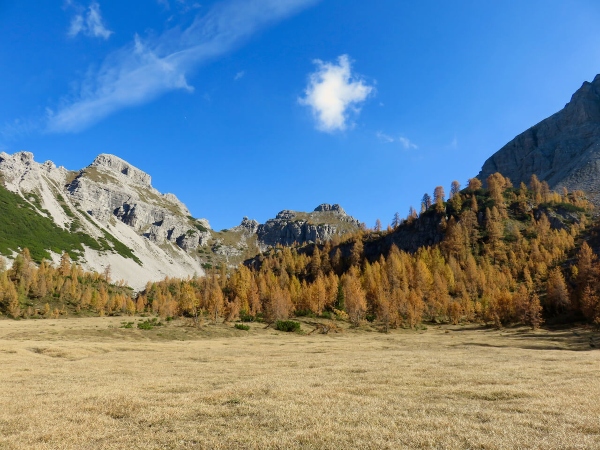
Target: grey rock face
{"x": 290, "y": 227}
{"x": 248, "y": 226}
{"x": 115, "y": 164}
{"x": 111, "y": 197}
{"x": 563, "y": 149}
{"x": 327, "y": 207}
{"x": 111, "y": 188}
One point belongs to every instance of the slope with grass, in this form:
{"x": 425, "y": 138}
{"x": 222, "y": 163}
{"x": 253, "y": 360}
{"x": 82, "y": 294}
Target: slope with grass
{"x": 92, "y": 215}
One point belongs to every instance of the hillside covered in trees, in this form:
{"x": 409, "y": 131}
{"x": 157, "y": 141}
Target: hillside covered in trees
{"x": 499, "y": 255}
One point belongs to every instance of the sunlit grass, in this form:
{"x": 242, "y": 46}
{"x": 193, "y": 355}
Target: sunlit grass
{"x": 88, "y": 383}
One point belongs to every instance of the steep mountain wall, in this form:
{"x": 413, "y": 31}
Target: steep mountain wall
{"x": 113, "y": 204}
{"x": 563, "y": 149}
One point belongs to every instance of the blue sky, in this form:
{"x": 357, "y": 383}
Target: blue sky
{"x": 247, "y": 107}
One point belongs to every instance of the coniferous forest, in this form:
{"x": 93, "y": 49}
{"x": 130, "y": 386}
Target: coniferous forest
{"x": 501, "y": 255}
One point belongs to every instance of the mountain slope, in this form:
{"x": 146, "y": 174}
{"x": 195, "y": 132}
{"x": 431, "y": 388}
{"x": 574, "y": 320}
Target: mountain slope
{"x": 563, "y": 149}
{"x": 108, "y": 214}
{"x": 87, "y": 204}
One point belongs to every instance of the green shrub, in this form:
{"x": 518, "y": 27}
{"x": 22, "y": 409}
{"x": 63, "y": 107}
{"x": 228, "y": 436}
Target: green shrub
{"x": 304, "y": 313}
{"x": 245, "y": 317}
{"x": 148, "y": 324}
{"x": 288, "y": 326}
{"x": 241, "y": 326}
{"x": 126, "y": 324}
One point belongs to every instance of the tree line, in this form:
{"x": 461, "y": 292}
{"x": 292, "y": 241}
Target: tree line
{"x": 500, "y": 262}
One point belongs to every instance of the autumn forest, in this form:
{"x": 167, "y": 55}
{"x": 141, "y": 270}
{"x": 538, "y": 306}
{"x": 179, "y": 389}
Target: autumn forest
{"x": 505, "y": 255}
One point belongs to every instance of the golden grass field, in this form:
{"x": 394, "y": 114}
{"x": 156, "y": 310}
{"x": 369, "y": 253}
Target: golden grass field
{"x": 88, "y": 384}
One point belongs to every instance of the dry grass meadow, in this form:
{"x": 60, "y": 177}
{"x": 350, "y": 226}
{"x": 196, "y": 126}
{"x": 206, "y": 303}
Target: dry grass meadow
{"x": 89, "y": 384}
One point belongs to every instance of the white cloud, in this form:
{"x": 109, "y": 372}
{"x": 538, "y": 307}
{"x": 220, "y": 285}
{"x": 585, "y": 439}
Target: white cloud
{"x": 406, "y": 143}
{"x": 88, "y": 22}
{"x": 332, "y": 91}
{"x": 239, "y": 75}
{"x": 148, "y": 68}
{"x": 385, "y": 138}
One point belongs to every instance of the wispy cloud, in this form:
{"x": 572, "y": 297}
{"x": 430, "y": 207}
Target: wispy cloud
{"x": 239, "y": 75}
{"x": 147, "y": 68}
{"x": 88, "y": 22}
{"x": 183, "y": 6}
{"x": 385, "y": 138}
{"x": 454, "y": 143}
{"x": 332, "y": 92}
{"x": 406, "y": 143}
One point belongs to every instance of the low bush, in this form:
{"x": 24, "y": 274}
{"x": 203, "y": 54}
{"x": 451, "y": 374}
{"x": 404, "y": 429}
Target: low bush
{"x": 148, "y": 324}
{"x": 245, "y": 317}
{"x": 241, "y": 326}
{"x": 288, "y": 326}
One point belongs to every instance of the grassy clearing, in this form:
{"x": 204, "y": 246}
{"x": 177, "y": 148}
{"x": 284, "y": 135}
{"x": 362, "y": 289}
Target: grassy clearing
{"x": 88, "y": 383}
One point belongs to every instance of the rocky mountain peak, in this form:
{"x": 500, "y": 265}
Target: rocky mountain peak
{"x": 115, "y": 164}
{"x": 325, "y": 207}
{"x": 563, "y": 149}
{"x": 248, "y": 225}
{"x": 286, "y": 214}
{"x": 585, "y": 103}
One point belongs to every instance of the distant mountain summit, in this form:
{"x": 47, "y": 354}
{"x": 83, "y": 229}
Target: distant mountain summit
{"x": 290, "y": 227}
{"x": 108, "y": 214}
{"x": 563, "y": 149}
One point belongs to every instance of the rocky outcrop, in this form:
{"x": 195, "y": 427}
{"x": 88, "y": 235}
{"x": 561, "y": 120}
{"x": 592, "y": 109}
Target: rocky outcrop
{"x": 111, "y": 188}
{"x": 115, "y": 204}
{"x": 247, "y": 226}
{"x": 563, "y": 149}
{"x": 115, "y": 164}
{"x": 290, "y": 227}
{"x": 426, "y": 231}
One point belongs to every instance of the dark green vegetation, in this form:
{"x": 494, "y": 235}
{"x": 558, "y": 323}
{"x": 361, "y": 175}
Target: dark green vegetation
{"x": 149, "y": 324}
{"x": 288, "y": 326}
{"x": 23, "y": 227}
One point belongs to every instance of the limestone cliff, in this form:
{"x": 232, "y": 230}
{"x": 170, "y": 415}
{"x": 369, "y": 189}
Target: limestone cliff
{"x": 140, "y": 233}
{"x": 563, "y": 149}
{"x": 145, "y": 235}
{"x": 111, "y": 188}
{"x": 290, "y": 227}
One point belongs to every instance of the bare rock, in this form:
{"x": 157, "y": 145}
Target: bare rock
{"x": 563, "y": 149}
